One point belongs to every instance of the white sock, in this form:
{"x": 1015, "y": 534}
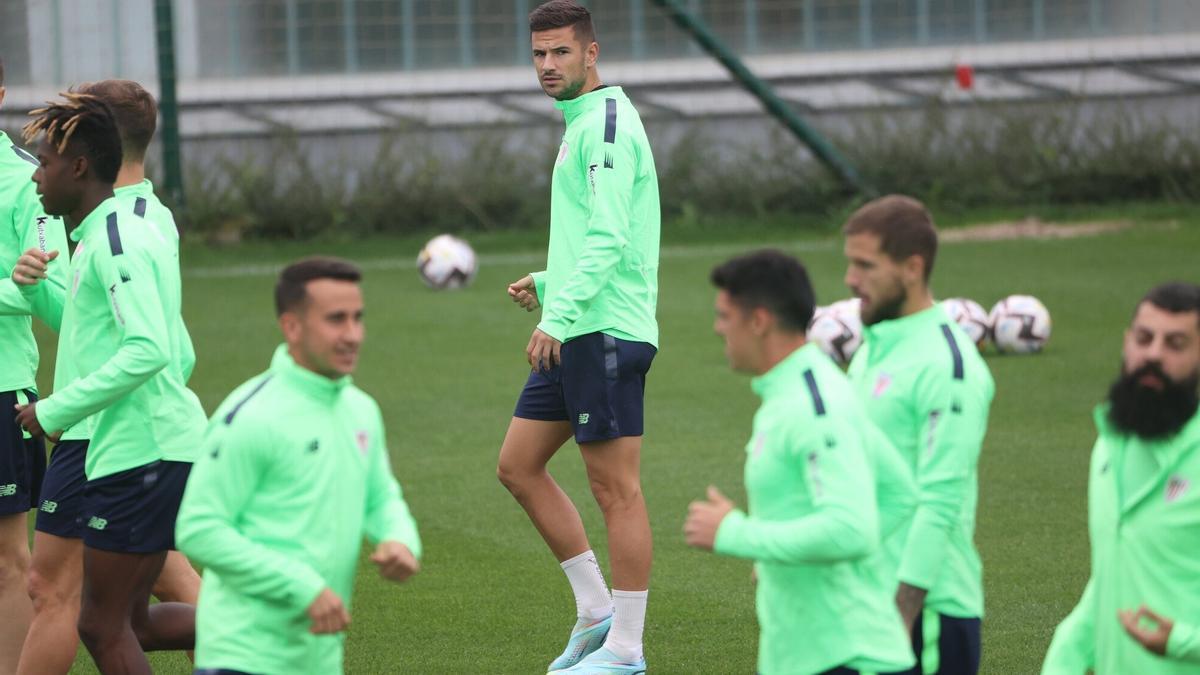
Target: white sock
{"x": 587, "y": 582}
{"x": 629, "y": 619}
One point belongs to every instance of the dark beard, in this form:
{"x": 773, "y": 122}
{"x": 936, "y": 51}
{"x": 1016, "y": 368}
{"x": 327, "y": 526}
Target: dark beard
{"x": 886, "y": 311}
{"x": 1150, "y": 414}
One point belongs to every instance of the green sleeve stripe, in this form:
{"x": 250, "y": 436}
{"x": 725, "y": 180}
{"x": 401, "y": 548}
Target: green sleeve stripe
{"x": 957, "y": 355}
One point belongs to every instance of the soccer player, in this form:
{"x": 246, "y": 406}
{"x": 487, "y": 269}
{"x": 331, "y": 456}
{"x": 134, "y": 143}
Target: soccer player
{"x": 593, "y": 347}
{"x": 924, "y": 384}
{"x": 23, "y": 225}
{"x": 813, "y": 528}
{"x": 57, "y": 570}
{"x": 1140, "y": 611}
{"x": 293, "y": 472}
{"x": 121, "y": 325}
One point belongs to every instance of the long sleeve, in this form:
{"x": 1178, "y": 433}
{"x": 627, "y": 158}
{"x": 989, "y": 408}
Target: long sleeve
{"x": 842, "y": 526}
{"x": 950, "y": 440}
{"x": 539, "y": 284}
{"x": 1184, "y": 642}
{"x": 387, "y": 515}
{"x": 144, "y": 344}
{"x": 1073, "y": 649}
{"x": 222, "y": 483}
{"x": 45, "y": 299}
{"x": 611, "y": 170}
{"x": 895, "y": 487}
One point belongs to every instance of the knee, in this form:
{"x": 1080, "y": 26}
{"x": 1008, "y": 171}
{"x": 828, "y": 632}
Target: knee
{"x": 513, "y": 475}
{"x": 616, "y": 494}
{"x": 45, "y": 592}
{"x": 95, "y": 630}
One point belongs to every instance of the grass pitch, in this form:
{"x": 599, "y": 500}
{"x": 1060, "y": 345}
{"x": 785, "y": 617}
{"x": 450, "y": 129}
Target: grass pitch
{"x": 447, "y": 367}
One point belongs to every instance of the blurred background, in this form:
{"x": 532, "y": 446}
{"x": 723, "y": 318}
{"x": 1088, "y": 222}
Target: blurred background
{"x": 296, "y": 116}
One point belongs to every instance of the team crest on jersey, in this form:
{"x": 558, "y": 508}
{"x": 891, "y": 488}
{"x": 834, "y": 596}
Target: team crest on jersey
{"x": 881, "y": 385}
{"x": 562, "y": 153}
{"x": 363, "y": 440}
{"x": 1176, "y": 487}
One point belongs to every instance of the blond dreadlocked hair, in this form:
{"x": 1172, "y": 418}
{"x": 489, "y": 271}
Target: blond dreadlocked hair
{"x": 85, "y": 119}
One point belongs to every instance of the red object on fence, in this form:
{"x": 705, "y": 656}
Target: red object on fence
{"x": 965, "y": 75}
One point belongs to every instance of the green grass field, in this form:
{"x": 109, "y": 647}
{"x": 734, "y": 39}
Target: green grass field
{"x": 446, "y": 368}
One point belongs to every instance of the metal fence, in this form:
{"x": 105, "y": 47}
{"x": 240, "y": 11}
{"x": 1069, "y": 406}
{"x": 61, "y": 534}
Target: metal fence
{"x": 56, "y": 42}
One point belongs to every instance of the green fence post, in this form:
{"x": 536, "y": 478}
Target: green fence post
{"x": 521, "y": 9}
{"x": 866, "y": 38}
{"x": 810, "y": 137}
{"x": 922, "y": 22}
{"x": 292, "y": 29}
{"x": 408, "y": 33}
{"x": 350, "y": 35}
{"x": 168, "y": 105}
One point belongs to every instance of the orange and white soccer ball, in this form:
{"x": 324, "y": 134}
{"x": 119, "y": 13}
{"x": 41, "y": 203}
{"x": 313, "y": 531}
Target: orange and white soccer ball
{"x": 447, "y": 263}
{"x": 1020, "y": 324}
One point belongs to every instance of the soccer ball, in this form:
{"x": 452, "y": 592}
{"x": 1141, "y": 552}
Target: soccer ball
{"x": 447, "y": 262}
{"x": 1020, "y": 324}
{"x": 971, "y": 317}
{"x": 837, "y": 329}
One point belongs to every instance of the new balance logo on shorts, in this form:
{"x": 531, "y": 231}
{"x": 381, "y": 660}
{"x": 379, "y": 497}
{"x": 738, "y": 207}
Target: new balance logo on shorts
{"x": 8, "y": 490}
{"x": 97, "y": 523}
{"x": 49, "y": 506}
{"x": 583, "y": 418}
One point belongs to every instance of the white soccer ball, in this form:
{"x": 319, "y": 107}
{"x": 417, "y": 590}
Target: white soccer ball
{"x": 971, "y": 317}
{"x": 1020, "y": 324}
{"x": 447, "y": 262}
{"x": 837, "y": 329}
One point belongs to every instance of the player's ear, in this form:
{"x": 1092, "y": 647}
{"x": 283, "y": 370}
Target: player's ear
{"x": 761, "y": 321}
{"x": 913, "y": 269}
{"x": 79, "y": 167}
{"x": 290, "y": 326}
{"x": 592, "y": 54}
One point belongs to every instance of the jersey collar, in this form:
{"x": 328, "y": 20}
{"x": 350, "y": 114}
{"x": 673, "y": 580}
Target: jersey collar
{"x": 96, "y": 219}
{"x": 318, "y": 386}
{"x": 887, "y": 333}
{"x": 144, "y": 188}
{"x": 581, "y": 104}
{"x": 786, "y": 372}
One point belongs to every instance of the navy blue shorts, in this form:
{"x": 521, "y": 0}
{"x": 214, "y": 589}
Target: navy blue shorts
{"x": 947, "y": 645}
{"x": 22, "y": 458}
{"x": 61, "y": 510}
{"x": 134, "y": 511}
{"x": 599, "y": 388}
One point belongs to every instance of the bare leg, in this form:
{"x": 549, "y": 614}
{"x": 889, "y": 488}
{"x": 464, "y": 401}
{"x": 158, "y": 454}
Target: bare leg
{"x": 527, "y": 449}
{"x": 54, "y": 585}
{"x": 178, "y": 582}
{"x": 15, "y": 607}
{"x": 115, "y": 619}
{"x": 613, "y": 470}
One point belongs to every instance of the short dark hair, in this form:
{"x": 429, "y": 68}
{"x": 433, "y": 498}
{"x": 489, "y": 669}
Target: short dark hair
{"x": 291, "y": 291}
{"x": 135, "y": 109}
{"x": 84, "y": 120}
{"x": 904, "y": 227}
{"x": 770, "y": 279}
{"x": 563, "y": 13}
{"x": 1176, "y": 297}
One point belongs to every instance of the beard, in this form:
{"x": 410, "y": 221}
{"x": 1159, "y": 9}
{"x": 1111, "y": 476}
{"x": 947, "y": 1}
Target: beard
{"x": 1152, "y": 414}
{"x": 886, "y": 309}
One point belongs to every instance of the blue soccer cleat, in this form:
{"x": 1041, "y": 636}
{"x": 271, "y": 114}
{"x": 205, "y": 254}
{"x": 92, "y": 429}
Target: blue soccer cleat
{"x": 604, "y": 662}
{"x": 583, "y": 641}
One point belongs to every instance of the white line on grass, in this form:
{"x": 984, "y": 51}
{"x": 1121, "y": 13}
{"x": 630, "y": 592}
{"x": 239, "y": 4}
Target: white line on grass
{"x": 682, "y": 251}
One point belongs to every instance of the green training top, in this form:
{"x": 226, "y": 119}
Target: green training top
{"x": 602, "y": 267}
{"x": 47, "y": 300}
{"x": 924, "y": 384}
{"x": 120, "y": 324}
{"x": 814, "y": 527}
{"x": 23, "y": 225}
{"x": 293, "y": 472}
{"x": 1144, "y": 525}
